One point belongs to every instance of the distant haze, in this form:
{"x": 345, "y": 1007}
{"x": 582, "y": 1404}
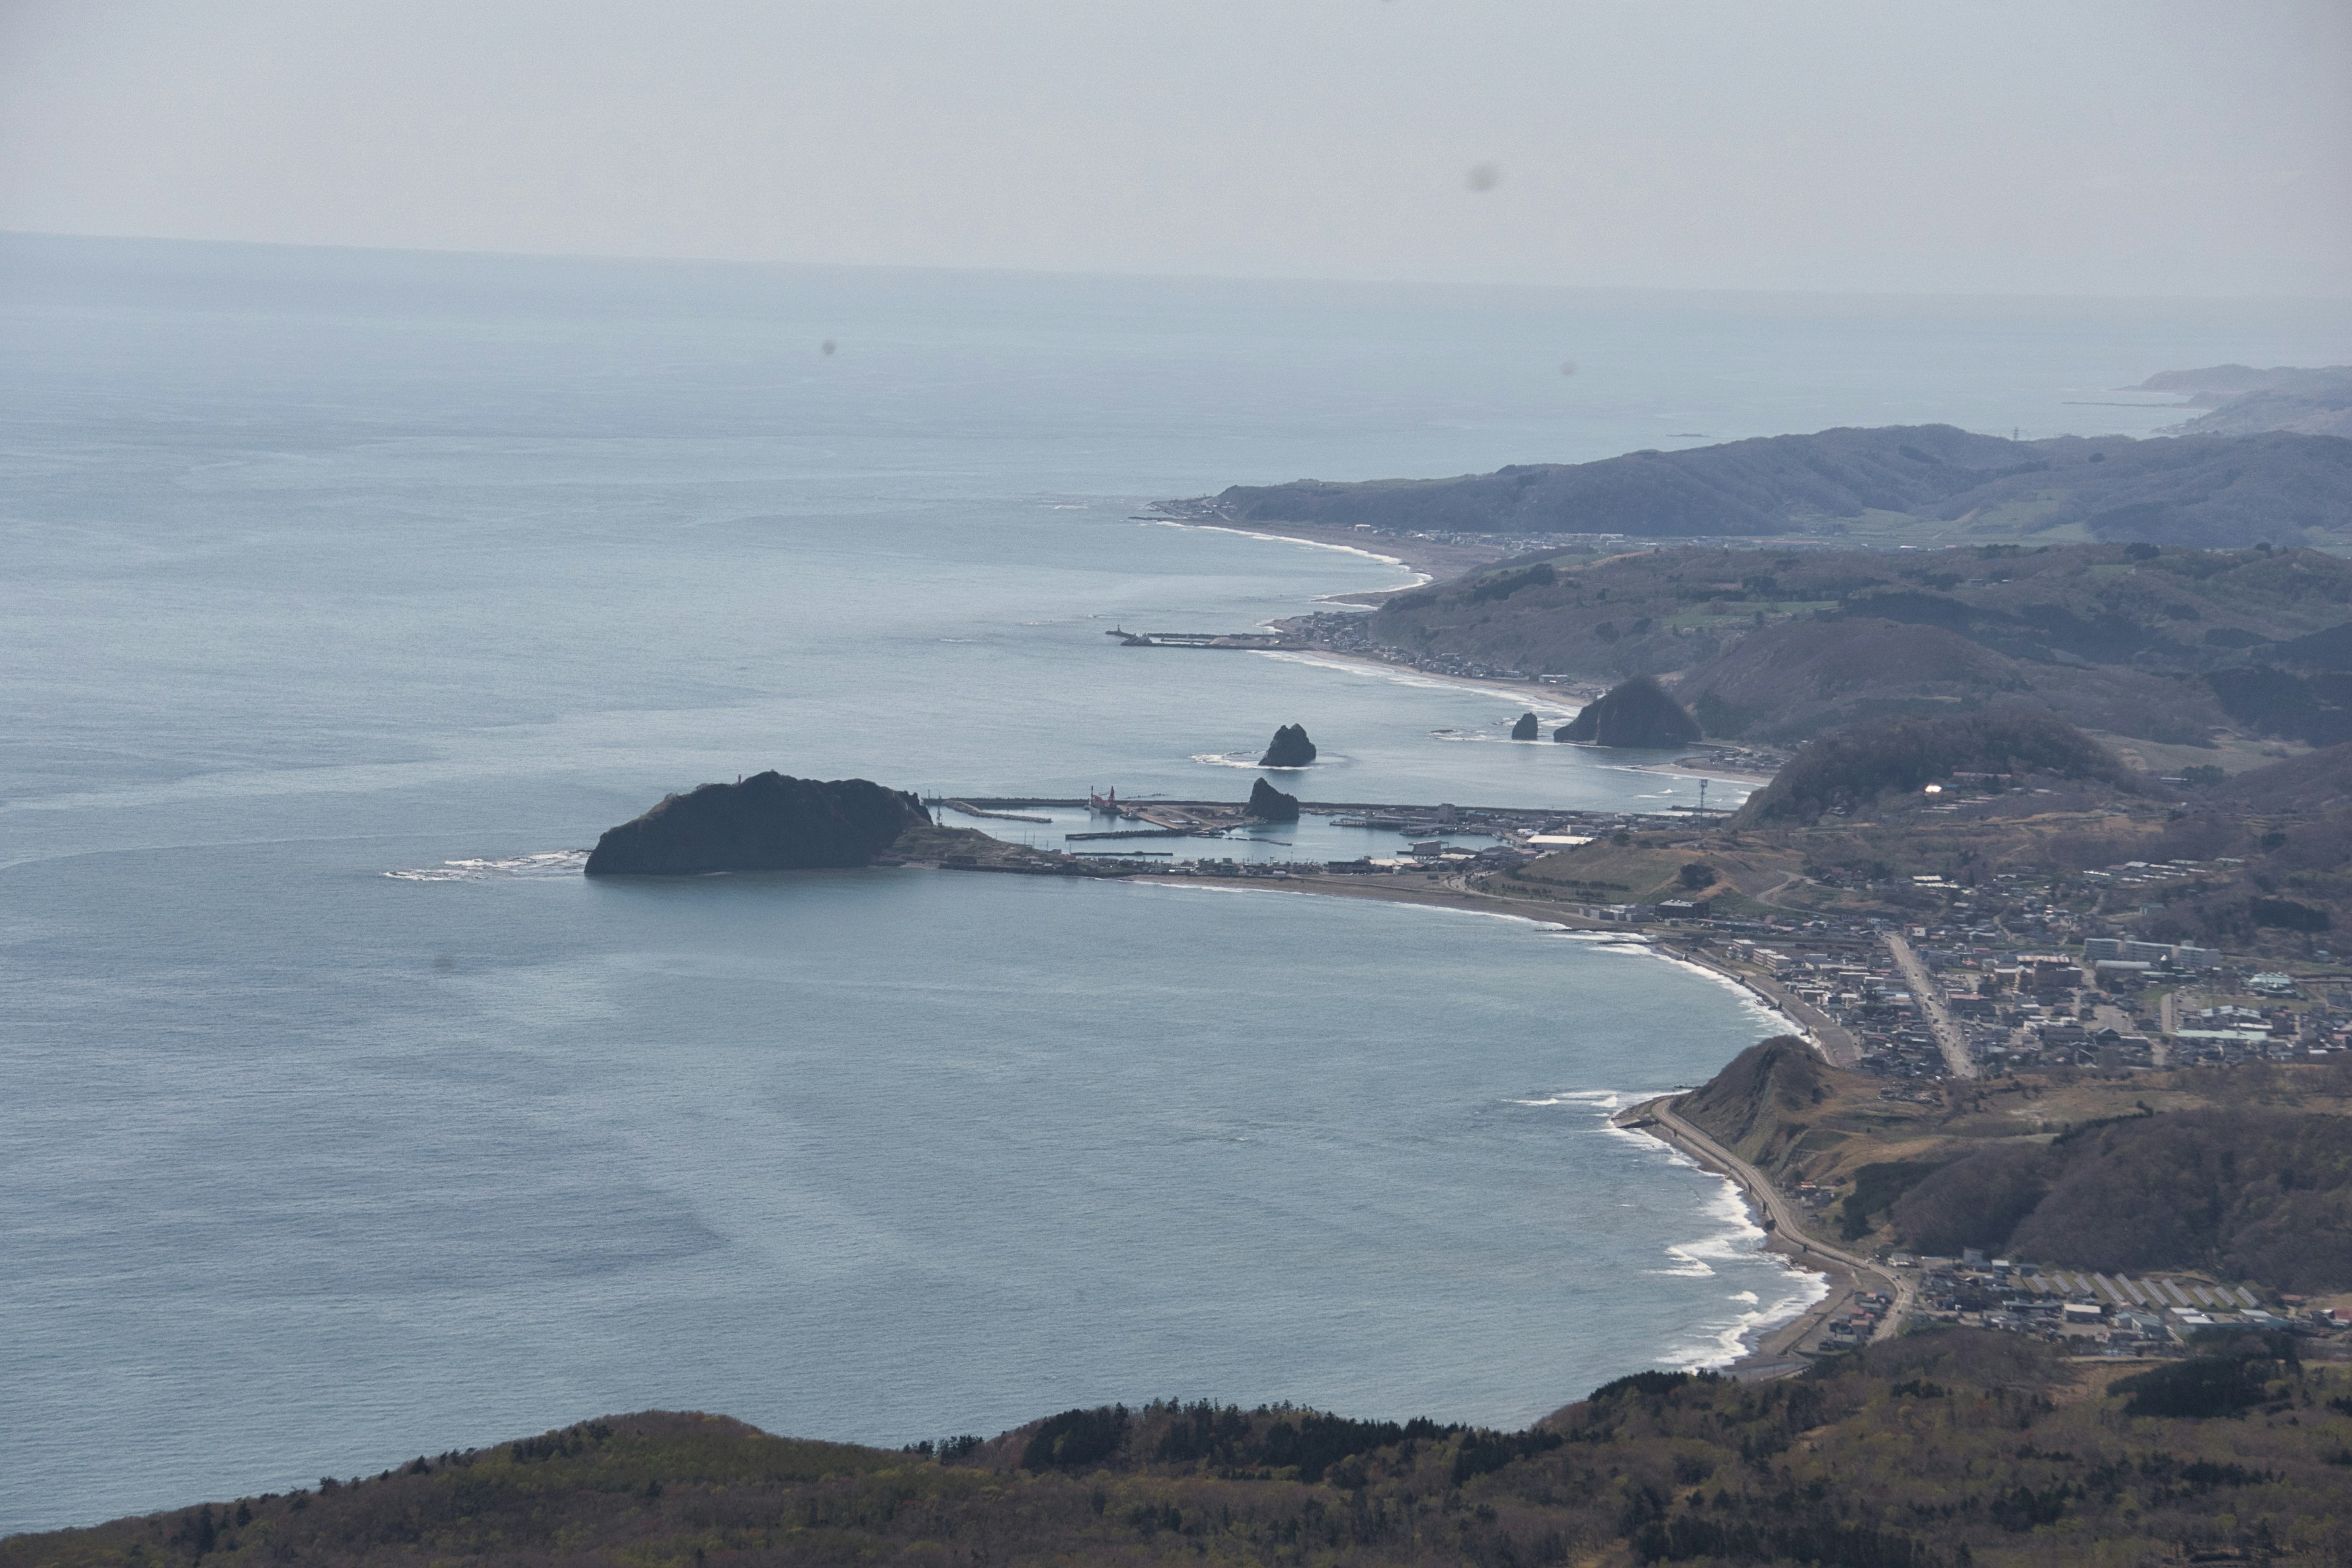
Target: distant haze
{"x": 2094, "y": 147}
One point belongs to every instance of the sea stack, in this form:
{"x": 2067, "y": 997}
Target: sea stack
{"x": 1527, "y": 729}
{"x": 1267, "y": 803}
{"x": 1291, "y": 749}
{"x": 769, "y": 822}
{"x": 1639, "y": 713}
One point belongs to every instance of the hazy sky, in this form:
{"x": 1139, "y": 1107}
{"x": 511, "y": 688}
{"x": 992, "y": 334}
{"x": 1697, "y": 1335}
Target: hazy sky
{"x": 2062, "y": 146}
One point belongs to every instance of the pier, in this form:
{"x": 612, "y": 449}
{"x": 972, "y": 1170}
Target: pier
{"x": 968, "y": 809}
{"x": 1244, "y": 640}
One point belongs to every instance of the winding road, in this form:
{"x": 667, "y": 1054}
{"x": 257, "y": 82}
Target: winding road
{"x": 1782, "y": 1219}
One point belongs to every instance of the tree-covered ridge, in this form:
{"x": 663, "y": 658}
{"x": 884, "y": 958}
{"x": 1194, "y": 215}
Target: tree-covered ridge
{"x": 1853, "y": 768}
{"x": 2214, "y": 490}
{"x": 1935, "y": 1451}
{"x": 2242, "y": 1194}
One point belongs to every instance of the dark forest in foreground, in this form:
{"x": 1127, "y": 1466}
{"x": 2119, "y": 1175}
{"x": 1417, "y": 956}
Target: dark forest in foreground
{"x": 1938, "y": 1450}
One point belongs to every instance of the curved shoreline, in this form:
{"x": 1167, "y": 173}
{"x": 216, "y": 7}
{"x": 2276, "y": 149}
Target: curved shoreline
{"x": 1769, "y": 1345}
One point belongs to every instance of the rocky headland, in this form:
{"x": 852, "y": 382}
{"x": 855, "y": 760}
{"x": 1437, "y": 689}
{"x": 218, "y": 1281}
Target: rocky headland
{"x": 1639, "y": 713}
{"x": 1290, "y": 749}
{"x": 769, "y": 822}
{"x": 1267, "y": 803}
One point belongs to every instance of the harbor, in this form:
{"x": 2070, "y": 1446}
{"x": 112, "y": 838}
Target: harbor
{"x": 1331, "y": 838}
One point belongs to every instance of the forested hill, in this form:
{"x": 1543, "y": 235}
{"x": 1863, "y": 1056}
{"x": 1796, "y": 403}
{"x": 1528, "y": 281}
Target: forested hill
{"x": 1936, "y": 1450}
{"x": 2210, "y": 491}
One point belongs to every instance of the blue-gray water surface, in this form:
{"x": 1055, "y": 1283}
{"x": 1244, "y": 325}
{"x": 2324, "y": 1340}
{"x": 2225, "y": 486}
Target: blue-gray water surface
{"x": 343, "y": 1120}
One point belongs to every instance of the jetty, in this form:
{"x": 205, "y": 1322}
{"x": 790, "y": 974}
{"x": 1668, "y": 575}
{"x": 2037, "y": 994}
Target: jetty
{"x": 1246, "y": 641}
{"x": 968, "y": 809}
{"x": 1136, "y": 833}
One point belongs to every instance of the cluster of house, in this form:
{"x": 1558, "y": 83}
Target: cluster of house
{"x": 2152, "y": 1315}
{"x": 2116, "y": 1003}
{"x": 1858, "y": 1322}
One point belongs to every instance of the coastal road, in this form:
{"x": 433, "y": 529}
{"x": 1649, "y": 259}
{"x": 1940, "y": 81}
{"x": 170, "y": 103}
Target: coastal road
{"x": 1950, "y": 1038}
{"x": 1783, "y": 1221}
{"x": 1831, "y": 1039}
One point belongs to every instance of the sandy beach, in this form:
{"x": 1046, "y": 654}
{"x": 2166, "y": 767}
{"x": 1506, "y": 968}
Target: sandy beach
{"x": 1433, "y": 558}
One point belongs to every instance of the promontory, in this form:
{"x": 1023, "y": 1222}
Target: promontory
{"x": 769, "y": 822}
{"x": 1640, "y": 712}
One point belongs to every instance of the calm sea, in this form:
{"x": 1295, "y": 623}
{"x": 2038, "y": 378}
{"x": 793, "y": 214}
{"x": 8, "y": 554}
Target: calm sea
{"x": 340, "y": 1121}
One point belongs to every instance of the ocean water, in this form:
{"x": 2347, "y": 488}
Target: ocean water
{"x": 346, "y": 592}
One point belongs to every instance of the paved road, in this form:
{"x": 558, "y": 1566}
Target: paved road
{"x": 1784, "y": 1216}
{"x": 1950, "y": 1038}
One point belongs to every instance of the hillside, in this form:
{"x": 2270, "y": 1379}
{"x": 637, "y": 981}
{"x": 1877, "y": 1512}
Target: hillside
{"x": 2317, "y": 781}
{"x": 1933, "y": 1451}
{"x": 2160, "y": 644}
{"x": 2242, "y": 1193}
{"x": 2210, "y": 491}
{"x": 2242, "y": 1178}
{"x": 1852, "y": 769}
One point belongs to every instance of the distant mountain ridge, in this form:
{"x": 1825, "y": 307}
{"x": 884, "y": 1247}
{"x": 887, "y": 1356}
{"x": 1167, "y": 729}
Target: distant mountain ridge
{"x": 2206, "y": 490}
{"x": 2313, "y": 402}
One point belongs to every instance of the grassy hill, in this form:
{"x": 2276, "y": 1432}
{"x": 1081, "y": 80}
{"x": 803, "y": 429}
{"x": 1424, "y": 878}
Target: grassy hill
{"x": 2214, "y": 490}
{"x": 1935, "y": 1451}
{"x": 2160, "y": 644}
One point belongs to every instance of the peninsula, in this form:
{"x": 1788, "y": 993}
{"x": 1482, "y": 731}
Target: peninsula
{"x": 1640, "y": 713}
{"x": 769, "y": 822}
{"x": 1900, "y": 483}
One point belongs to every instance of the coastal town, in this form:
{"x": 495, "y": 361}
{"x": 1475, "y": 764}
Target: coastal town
{"x": 2020, "y": 970}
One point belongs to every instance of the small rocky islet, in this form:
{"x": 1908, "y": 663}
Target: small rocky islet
{"x": 768, "y": 822}
{"x": 1267, "y": 803}
{"x": 1289, "y": 749}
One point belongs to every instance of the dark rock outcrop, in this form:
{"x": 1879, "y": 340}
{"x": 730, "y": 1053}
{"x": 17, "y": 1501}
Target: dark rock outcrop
{"x": 1267, "y": 803}
{"x": 1290, "y": 749}
{"x": 1638, "y": 713}
{"x": 1527, "y": 729}
{"x": 769, "y": 822}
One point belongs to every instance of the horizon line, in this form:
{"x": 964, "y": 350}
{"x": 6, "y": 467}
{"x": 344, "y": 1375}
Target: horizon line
{"x": 1322, "y": 279}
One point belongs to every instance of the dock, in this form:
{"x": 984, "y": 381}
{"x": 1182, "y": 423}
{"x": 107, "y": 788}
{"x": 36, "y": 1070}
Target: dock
{"x": 1135, "y": 833}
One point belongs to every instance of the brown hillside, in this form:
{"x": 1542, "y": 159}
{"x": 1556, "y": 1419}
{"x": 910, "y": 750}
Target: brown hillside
{"x": 1758, "y": 1105}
